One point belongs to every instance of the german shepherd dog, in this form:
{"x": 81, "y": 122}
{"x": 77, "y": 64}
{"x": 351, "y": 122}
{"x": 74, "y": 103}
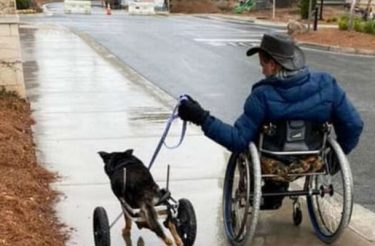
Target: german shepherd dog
{"x": 139, "y": 190}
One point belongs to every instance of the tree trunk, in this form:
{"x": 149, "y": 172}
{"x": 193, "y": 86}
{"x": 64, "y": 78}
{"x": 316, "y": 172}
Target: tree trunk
{"x": 351, "y": 15}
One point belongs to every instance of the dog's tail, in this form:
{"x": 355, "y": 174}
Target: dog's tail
{"x": 152, "y": 218}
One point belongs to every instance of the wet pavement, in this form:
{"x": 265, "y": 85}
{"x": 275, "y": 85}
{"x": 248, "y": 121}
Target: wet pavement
{"x": 83, "y": 103}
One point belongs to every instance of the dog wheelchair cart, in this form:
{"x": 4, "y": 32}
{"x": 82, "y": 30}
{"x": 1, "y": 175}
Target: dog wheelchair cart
{"x": 327, "y": 188}
{"x": 180, "y": 212}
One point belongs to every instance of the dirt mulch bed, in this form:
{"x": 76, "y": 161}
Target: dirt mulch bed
{"x": 202, "y": 6}
{"x": 26, "y": 199}
{"x": 194, "y": 6}
{"x": 324, "y": 36}
{"x": 293, "y": 13}
{"x": 335, "y": 37}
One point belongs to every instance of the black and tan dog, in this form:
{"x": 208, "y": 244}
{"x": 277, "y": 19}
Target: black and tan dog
{"x": 139, "y": 190}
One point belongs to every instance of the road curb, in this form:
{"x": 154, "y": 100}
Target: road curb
{"x": 337, "y": 49}
{"x": 362, "y": 227}
{"x": 46, "y": 11}
{"x": 362, "y": 222}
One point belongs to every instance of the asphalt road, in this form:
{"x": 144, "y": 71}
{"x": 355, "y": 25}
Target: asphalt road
{"x": 206, "y": 58}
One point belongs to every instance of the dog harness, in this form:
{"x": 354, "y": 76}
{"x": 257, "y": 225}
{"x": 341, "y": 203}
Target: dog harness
{"x": 124, "y": 179}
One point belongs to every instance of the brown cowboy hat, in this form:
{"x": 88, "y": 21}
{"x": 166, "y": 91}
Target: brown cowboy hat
{"x": 281, "y": 48}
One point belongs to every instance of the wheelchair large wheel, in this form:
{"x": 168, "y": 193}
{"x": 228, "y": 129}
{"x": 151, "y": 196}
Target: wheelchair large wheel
{"x": 186, "y": 222}
{"x": 330, "y": 212}
{"x": 242, "y": 194}
{"x": 101, "y": 227}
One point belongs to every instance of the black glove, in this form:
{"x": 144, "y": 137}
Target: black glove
{"x": 190, "y": 110}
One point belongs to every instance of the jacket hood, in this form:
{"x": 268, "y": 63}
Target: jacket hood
{"x": 294, "y": 88}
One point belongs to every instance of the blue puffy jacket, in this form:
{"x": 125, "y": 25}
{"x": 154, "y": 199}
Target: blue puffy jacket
{"x": 312, "y": 96}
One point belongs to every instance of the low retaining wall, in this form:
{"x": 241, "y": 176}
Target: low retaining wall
{"x": 141, "y": 8}
{"x": 77, "y": 7}
{"x": 11, "y": 70}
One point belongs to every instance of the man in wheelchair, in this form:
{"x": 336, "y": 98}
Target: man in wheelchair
{"x": 290, "y": 92}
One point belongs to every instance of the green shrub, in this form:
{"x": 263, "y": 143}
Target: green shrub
{"x": 344, "y": 24}
{"x": 333, "y": 19}
{"x": 344, "y": 17}
{"x": 358, "y": 26}
{"x": 304, "y": 7}
{"x": 368, "y": 27}
{"x": 23, "y": 4}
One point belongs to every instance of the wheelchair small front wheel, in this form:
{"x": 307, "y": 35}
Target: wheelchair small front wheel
{"x": 297, "y": 216}
{"x": 331, "y": 210}
{"x": 241, "y": 197}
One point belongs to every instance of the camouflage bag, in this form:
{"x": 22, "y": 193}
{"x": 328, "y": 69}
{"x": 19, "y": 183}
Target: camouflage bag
{"x": 305, "y": 164}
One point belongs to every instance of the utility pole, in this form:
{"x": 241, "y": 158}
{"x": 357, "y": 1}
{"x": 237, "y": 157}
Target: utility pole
{"x": 309, "y": 16}
{"x": 273, "y": 9}
{"x": 368, "y": 7}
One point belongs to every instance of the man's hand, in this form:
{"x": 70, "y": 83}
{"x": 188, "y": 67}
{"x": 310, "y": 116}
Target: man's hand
{"x": 190, "y": 110}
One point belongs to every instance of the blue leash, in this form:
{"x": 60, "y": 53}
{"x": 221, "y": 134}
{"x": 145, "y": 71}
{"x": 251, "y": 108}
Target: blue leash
{"x": 173, "y": 116}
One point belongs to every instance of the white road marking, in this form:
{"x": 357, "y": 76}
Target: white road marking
{"x": 226, "y": 40}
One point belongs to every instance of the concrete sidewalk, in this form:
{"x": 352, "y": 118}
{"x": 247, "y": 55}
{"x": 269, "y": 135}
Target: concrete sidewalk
{"x": 85, "y": 100}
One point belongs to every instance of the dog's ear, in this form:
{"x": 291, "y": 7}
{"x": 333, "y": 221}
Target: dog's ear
{"x": 104, "y": 155}
{"x": 129, "y": 152}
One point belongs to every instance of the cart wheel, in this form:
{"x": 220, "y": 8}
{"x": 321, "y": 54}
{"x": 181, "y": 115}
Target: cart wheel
{"x": 297, "y": 216}
{"x": 186, "y": 222}
{"x": 102, "y": 235}
{"x": 331, "y": 211}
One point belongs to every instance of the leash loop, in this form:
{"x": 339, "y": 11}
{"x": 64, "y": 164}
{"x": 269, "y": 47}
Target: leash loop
{"x": 162, "y": 142}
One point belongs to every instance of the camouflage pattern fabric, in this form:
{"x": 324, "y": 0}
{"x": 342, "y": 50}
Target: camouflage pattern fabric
{"x": 305, "y": 164}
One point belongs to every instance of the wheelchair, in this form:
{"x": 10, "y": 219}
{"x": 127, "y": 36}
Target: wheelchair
{"x": 327, "y": 189}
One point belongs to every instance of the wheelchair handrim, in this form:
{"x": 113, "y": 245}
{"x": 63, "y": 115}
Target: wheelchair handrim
{"x": 313, "y": 204}
{"x": 253, "y": 163}
{"x": 238, "y": 238}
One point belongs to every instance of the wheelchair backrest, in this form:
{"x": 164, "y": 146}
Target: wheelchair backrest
{"x": 294, "y": 137}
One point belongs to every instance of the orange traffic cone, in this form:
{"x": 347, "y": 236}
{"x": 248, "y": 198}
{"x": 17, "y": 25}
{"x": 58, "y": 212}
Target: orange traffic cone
{"x": 108, "y": 9}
